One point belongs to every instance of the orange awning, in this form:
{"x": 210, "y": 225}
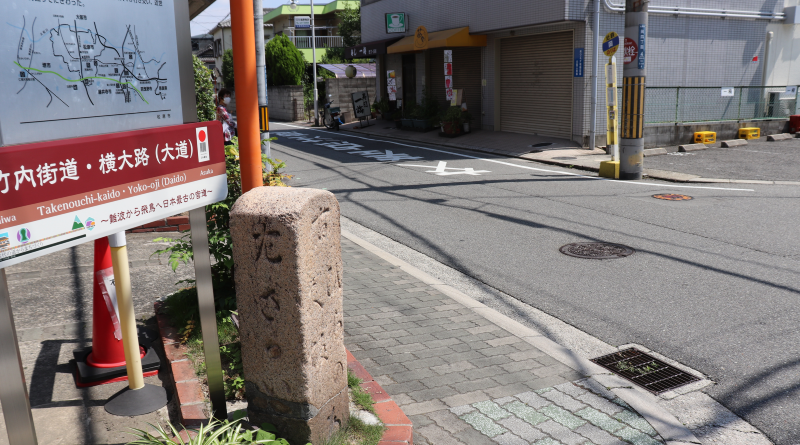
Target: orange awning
{"x": 457, "y": 37}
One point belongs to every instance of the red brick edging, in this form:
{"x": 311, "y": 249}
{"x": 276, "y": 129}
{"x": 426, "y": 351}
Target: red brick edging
{"x": 398, "y": 426}
{"x": 189, "y": 393}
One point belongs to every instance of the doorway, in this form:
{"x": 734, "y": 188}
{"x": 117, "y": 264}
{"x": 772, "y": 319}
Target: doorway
{"x": 409, "y": 80}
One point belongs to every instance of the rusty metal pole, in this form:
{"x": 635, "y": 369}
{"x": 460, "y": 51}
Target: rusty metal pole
{"x": 244, "y": 71}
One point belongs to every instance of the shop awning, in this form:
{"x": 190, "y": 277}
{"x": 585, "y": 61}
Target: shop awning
{"x": 369, "y": 49}
{"x": 450, "y": 38}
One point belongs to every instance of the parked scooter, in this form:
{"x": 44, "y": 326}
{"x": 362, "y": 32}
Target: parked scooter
{"x": 331, "y": 116}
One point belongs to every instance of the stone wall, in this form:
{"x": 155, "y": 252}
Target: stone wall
{"x": 286, "y": 103}
{"x": 342, "y": 88}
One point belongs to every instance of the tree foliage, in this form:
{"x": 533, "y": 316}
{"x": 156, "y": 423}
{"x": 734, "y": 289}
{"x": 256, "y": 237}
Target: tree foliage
{"x": 227, "y": 69}
{"x": 285, "y": 63}
{"x": 350, "y": 30}
{"x": 203, "y": 91}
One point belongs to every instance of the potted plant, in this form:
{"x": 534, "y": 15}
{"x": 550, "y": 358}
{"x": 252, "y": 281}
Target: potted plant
{"x": 427, "y": 113}
{"x": 451, "y": 122}
{"x": 409, "y": 112}
{"x": 420, "y": 121}
{"x": 398, "y": 119}
{"x": 382, "y": 107}
{"x": 466, "y": 118}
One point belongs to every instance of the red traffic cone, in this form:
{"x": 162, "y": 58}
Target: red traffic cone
{"x": 104, "y": 361}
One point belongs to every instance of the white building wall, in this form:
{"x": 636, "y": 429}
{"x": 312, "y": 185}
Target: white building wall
{"x": 784, "y": 57}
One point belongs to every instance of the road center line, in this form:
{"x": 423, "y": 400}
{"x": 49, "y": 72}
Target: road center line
{"x": 527, "y": 167}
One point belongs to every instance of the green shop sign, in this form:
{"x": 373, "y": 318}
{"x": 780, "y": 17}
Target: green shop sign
{"x": 396, "y": 22}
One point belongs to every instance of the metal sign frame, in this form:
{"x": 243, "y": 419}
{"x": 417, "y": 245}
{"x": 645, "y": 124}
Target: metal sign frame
{"x": 14, "y": 393}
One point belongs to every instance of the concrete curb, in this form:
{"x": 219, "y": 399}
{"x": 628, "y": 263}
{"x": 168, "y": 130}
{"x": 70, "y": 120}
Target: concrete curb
{"x": 667, "y": 426}
{"x": 189, "y": 398}
{"x": 779, "y": 137}
{"x": 691, "y": 147}
{"x": 654, "y": 151}
{"x": 733, "y": 143}
{"x": 399, "y": 429}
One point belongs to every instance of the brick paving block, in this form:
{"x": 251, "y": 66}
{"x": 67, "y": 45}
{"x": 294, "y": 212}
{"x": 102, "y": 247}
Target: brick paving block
{"x": 636, "y": 421}
{"x": 391, "y": 414}
{"x": 472, "y": 437}
{"x": 183, "y": 371}
{"x": 522, "y": 429}
{"x": 443, "y": 343}
{"x": 389, "y": 369}
{"x": 600, "y": 403}
{"x": 509, "y": 439}
{"x": 506, "y": 390}
{"x": 533, "y": 399}
{"x": 405, "y": 388}
{"x": 474, "y": 384}
{"x": 447, "y": 420}
{"x": 466, "y": 317}
{"x": 445, "y": 379}
{"x": 563, "y": 400}
{"x": 397, "y": 433}
{"x": 452, "y": 326}
{"x": 416, "y": 338}
{"x": 483, "y": 424}
{"x": 562, "y": 416}
{"x": 459, "y": 356}
{"x": 465, "y": 398}
{"x": 357, "y": 369}
{"x": 376, "y": 391}
{"x": 436, "y": 435}
{"x": 420, "y": 420}
{"x": 491, "y": 409}
{"x": 561, "y": 433}
{"x": 453, "y": 367}
{"x": 547, "y": 441}
{"x": 434, "y": 393}
{"x": 526, "y": 355}
{"x": 524, "y": 365}
{"x": 424, "y": 407}
{"x": 571, "y": 389}
{"x": 193, "y": 415}
{"x": 597, "y": 435}
{"x": 461, "y": 410}
{"x": 189, "y": 392}
{"x": 415, "y": 375}
{"x": 449, "y": 306}
{"x": 488, "y": 371}
{"x": 490, "y": 361}
{"x": 377, "y": 343}
{"x": 500, "y": 350}
{"x": 525, "y": 412}
{"x": 393, "y": 358}
{"x": 402, "y": 399}
{"x": 504, "y": 400}
{"x": 571, "y": 375}
{"x": 391, "y": 334}
{"x": 502, "y": 341}
{"x": 636, "y": 437}
{"x": 482, "y": 329}
{"x": 550, "y": 370}
{"x": 412, "y": 363}
{"x": 516, "y": 377}
{"x": 600, "y": 420}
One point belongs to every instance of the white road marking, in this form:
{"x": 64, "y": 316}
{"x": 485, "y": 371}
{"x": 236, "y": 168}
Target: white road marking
{"x": 532, "y": 168}
{"x": 442, "y": 167}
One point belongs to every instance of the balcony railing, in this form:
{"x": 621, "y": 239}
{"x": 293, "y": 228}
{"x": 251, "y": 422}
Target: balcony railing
{"x": 321, "y": 41}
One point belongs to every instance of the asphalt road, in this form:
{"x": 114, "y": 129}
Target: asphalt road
{"x": 758, "y": 160}
{"x": 713, "y": 283}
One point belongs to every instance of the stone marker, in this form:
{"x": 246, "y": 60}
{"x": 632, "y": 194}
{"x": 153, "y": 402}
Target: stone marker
{"x": 733, "y": 143}
{"x": 288, "y": 263}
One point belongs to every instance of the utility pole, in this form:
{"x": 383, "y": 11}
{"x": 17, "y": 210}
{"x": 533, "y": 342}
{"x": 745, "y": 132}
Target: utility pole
{"x": 634, "y": 75}
{"x": 261, "y": 75}
{"x": 314, "y": 61}
{"x": 244, "y": 69}
{"x": 595, "y": 63}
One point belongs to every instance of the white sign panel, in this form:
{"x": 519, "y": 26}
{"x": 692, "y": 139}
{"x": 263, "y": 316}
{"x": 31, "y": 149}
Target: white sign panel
{"x": 302, "y": 22}
{"x": 727, "y": 91}
{"x": 448, "y": 56}
{"x": 361, "y": 105}
{"x": 84, "y": 67}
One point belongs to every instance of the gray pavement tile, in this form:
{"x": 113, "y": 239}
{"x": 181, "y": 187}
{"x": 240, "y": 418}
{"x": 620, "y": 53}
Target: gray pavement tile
{"x": 447, "y": 420}
{"x": 435, "y": 352}
{"x": 491, "y": 361}
{"x": 404, "y": 387}
{"x": 446, "y": 379}
{"x": 510, "y": 439}
{"x": 417, "y": 338}
{"x": 533, "y": 399}
{"x": 504, "y": 340}
{"x": 516, "y": 377}
{"x": 429, "y": 362}
{"x": 483, "y": 424}
{"x": 483, "y": 329}
{"x": 453, "y": 367}
{"x": 488, "y": 371}
{"x": 599, "y": 403}
{"x": 423, "y": 407}
{"x": 443, "y": 343}
{"x": 411, "y": 347}
{"x": 459, "y": 356}
{"x": 506, "y": 390}
{"x": 561, "y": 433}
{"x": 415, "y": 375}
{"x": 544, "y": 371}
{"x": 474, "y": 384}
{"x": 420, "y": 420}
{"x": 472, "y": 437}
{"x": 522, "y": 429}
{"x": 460, "y": 325}
{"x": 390, "y": 334}
{"x": 432, "y": 393}
{"x": 546, "y": 382}
{"x": 597, "y": 435}
{"x": 434, "y": 434}
{"x": 392, "y": 358}
{"x": 524, "y": 365}
{"x": 563, "y": 400}
{"x": 377, "y": 343}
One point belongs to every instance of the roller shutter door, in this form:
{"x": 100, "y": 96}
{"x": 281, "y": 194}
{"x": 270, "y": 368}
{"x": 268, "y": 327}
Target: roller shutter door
{"x": 536, "y": 84}
{"x": 466, "y": 75}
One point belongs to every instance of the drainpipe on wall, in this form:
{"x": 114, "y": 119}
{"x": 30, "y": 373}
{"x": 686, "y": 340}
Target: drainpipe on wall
{"x": 767, "y": 47}
{"x": 595, "y": 60}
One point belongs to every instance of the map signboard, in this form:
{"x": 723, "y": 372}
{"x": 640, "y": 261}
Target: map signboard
{"x": 81, "y": 67}
{"x": 58, "y": 194}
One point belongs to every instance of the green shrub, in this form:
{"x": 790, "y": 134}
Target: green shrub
{"x": 285, "y": 63}
{"x": 215, "y": 433}
{"x": 203, "y": 91}
{"x": 227, "y": 69}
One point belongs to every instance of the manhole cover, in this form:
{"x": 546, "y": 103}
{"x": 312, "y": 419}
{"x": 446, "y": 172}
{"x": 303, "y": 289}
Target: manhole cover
{"x": 673, "y": 197}
{"x": 541, "y": 144}
{"x": 646, "y": 371}
{"x": 597, "y": 251}
{"x": 564, "y": 158}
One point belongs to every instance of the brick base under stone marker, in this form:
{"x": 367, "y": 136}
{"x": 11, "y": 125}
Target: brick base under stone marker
{"x": 193, "y": 410}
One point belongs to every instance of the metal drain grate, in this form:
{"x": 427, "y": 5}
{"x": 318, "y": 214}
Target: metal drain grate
{"x": 648, "y": 372}
{"x": 596, "y": 251}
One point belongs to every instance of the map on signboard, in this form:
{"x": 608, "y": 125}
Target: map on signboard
{"x": 87, "y": 67}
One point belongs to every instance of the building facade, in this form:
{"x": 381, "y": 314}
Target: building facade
{"x": 527, "y": 67}
{"x": 223, "y": 39}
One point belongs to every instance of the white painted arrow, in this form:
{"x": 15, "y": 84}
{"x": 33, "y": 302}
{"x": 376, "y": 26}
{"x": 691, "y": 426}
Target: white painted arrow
{"x": 441, "y": 169}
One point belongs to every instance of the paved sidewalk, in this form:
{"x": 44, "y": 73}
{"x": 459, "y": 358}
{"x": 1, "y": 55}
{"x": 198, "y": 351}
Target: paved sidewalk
{"x": 465, "y": 374}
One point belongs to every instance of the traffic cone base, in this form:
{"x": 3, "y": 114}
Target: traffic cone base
{"x": 87, "y": 375}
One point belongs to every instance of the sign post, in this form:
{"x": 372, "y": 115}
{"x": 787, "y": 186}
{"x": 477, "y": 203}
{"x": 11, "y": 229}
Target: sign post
{"x": 633, "y": 89}
{"x": 610, "y": 169}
